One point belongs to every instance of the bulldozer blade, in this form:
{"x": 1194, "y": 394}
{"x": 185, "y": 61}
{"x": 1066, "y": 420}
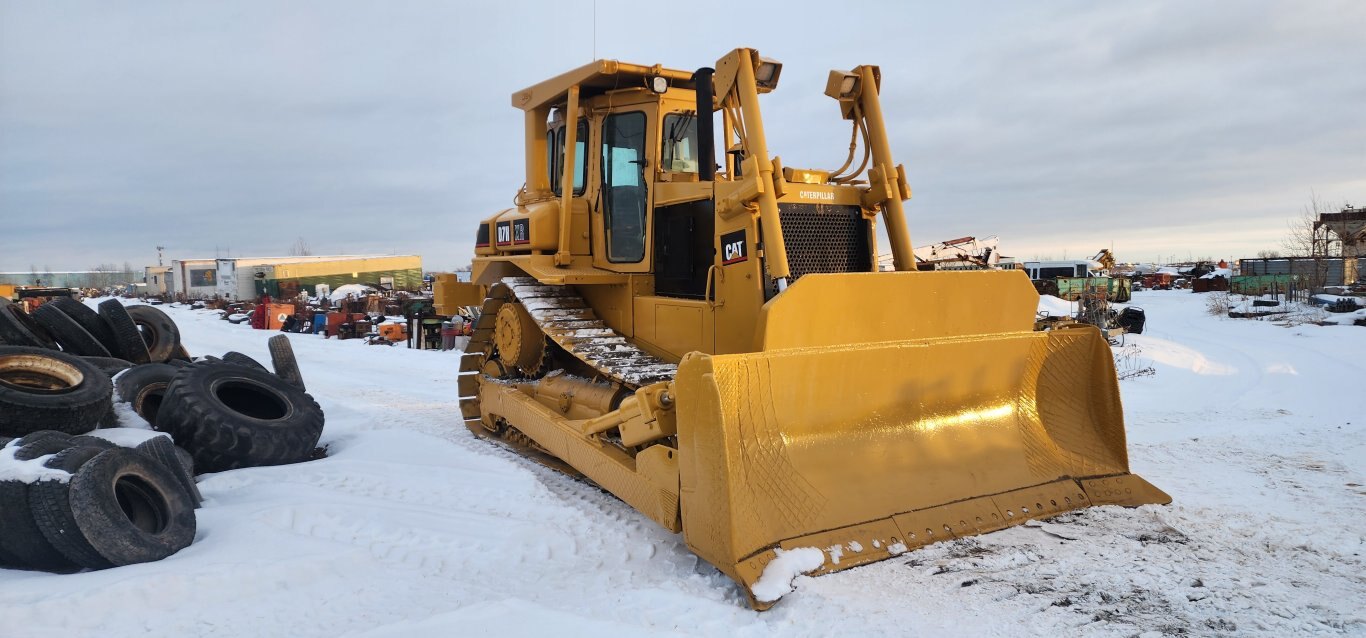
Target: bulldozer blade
{"x": 856, "y": 453}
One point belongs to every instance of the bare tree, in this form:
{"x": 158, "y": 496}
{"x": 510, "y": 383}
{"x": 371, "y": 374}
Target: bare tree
{"x": 1310, "y": 240}
{"x": 102, "y": 276}
{"x": 300, "y": 248}
{"x": 1268, "y": 254}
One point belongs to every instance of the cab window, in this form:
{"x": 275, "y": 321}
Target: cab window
{"x": 555, "y": 140}
{"x": 680, "y": 143}
{"x": 624, "y": 187}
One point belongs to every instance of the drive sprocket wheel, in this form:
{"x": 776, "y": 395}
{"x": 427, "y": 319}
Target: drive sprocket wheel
{"x": 520, "y": 342}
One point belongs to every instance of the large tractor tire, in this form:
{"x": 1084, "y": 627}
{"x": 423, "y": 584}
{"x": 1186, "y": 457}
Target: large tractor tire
{"x": 240, "y": 359}
{"x": 231, "y": 416}
{"x": 48, "y": 390}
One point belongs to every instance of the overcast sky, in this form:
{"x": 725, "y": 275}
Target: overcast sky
{"x": 233, "y": 128}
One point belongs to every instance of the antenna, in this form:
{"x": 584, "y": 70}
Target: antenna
{"x": 595, "y": 30}
{"x": 159, "y": 249}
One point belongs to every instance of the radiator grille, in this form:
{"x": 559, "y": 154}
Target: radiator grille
{"x": 825, "y": 238}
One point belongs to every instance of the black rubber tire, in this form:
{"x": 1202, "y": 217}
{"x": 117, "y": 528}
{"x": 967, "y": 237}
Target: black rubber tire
{"x": 26, "y": 407}
{"x": 231, "y": 416}
{"x": 86, "y": 440}
{"x": 41, "y": 444}
{"x": 19, "y": 329}
{"x": 130, "y": 508}
{"x": 144, "y": 387}
{"x": 128, "y": 343}
{"x": 41, "y": 434}
{"x": 283, "y": 360}
{"x": 50, "y": 505}
{"x": 67, "y": 333}
{"x": 165, "y": 452}
{"x": 158, "y": 331}
{"x": 22, "y": 543}
{"x": 110, "y": 419}
{"x": 186, "y": 460}
{"x": 88, "y": 319}
{"x": 110, "y": 365}
{"x": 20, "y": 537}
{"x": 7, "y": 559}
{"x": 242, "y": 360}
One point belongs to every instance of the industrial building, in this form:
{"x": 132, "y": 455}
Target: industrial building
{"x": 71, "y": 278}
{"x": 285, "y": 277}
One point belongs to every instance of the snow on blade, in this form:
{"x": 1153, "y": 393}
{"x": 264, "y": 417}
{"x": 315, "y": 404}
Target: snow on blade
{"x": 776, "y": 581}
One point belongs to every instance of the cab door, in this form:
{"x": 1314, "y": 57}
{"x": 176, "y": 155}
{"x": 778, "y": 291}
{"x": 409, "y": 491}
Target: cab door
{"x": 626, "y": 163}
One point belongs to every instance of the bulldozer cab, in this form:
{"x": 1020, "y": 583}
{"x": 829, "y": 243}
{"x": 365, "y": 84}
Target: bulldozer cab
{"x": 706, "y": 335}
{"x": 640, "y": 195}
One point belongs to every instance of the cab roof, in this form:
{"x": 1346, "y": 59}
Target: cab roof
{"x": 596, "y": 77}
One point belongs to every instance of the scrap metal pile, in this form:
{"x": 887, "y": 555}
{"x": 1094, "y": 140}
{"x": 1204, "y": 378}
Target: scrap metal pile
{"x": 72, "y": 498}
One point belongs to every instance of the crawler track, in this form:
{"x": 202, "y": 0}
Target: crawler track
{"x": 567, "y": 320}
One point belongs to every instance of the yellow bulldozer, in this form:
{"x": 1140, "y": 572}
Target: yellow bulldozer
{"x": 706, "y": 335}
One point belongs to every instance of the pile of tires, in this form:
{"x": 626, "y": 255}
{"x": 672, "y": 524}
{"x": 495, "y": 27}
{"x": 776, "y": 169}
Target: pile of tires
{"x": 128, "y": 334}
{"x": 71, "y": 503}
{"x": 229, "y": 412}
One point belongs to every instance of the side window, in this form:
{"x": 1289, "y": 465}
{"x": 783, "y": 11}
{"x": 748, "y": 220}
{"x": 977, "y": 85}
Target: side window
{"x": 624, "y": 188}
{"x": 580, "y": 156}
{"x": 553, "y": 153}
{"x": 555, "y": 140}
{"x": 680, "y": 143}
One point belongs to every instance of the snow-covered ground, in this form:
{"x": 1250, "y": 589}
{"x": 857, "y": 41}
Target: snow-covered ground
{"x": 411, "y": 527}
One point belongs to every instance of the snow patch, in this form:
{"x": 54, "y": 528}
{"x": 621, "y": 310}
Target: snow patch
{"x": 31, "y": 471}
{"x": 1051, "y": 306}
{"x": 128, "y": 418}
{"x": 776, "y": 581}
{"x": 340, "y": 293}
